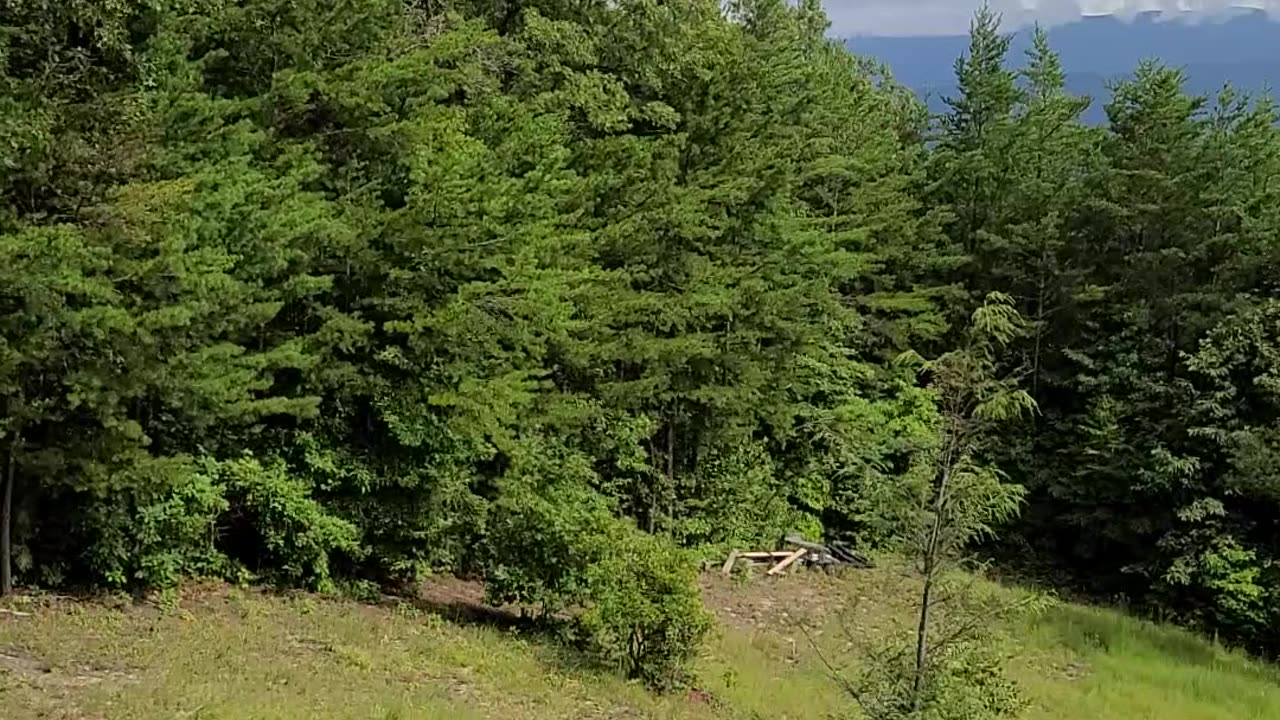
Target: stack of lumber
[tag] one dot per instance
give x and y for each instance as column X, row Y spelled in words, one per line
column 802, row 552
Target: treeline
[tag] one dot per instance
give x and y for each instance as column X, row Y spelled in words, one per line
column 342, row 293
column 1144, row 255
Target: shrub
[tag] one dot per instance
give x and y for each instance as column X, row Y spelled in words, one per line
column 971, row 684
column 554, row 542
column 542, row 530
column 966, row 682
column 539, row 548
column 156, row 526
column 278, row 528
column 737, row 499
column 643, row 612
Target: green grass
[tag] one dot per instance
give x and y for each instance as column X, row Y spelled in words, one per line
column 243, row 654
column 1137, row 670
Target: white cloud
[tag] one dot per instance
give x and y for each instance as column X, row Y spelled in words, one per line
column 941, row 17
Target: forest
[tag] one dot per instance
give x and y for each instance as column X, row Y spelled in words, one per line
column 569, row 295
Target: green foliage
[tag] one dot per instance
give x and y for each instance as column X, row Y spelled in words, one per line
column 972, row 683
column 480, row 285
column 473, row 284
column 969, row 682
column 290, row 535
column 739, row 501
column 968, row 674
column 544, row 533
column 959, row 498
column 644, row 612
column 1139, row 254
column 952, row 498
column 157, row 526
column 552, row 542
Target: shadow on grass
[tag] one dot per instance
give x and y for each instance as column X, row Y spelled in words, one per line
column 550, row 637
column 466, row 612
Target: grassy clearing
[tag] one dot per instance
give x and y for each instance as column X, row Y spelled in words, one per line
column 233, row 653
column 1137, row 670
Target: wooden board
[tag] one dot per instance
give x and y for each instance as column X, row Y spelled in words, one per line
column 787, row 561
column 728, row 564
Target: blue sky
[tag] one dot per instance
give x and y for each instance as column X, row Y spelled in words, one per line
column 945, row 17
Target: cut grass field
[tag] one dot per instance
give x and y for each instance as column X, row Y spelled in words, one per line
column 231, row 653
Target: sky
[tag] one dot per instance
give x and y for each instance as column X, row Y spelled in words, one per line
column 951, row 17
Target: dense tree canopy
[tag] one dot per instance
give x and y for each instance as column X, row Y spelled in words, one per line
column 316, row 293
column 1143, row 254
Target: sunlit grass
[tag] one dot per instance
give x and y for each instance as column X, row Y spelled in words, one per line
column 237, row 654
column 1131, row 669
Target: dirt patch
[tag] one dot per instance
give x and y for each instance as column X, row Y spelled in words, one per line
column 808, row 599
column 22, row 664
column 462, row 600
column 33, row 670
column 446, row 590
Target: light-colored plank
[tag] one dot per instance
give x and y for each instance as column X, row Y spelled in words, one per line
column 786, row 562
column 728, row 564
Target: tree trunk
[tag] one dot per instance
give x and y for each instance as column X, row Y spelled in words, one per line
column 671, row 453
column 922, row 640
column 930, row 566
column 1035, row 363
column 652, row 518
column 671, row 469
column 6, row 523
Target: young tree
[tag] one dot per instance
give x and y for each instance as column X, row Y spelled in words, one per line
column 958, row 499
column 966, row 499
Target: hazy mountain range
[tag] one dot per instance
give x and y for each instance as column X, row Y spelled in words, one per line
column 1243, row 50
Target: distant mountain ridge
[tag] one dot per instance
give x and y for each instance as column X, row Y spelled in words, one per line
column 1243, row 50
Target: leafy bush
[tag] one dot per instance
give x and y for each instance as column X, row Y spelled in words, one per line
column 541, row 544
column 966, row 682
column 644, row 614
column 293, row 536
column 971, row 684
column 542, row 528
column 554, row 542
column 736, row 499
column 1209, row 577
column 157, row 526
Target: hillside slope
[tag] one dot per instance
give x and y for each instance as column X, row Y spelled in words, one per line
column 231, row 653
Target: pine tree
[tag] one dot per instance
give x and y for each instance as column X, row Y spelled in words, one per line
column 971, row 169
